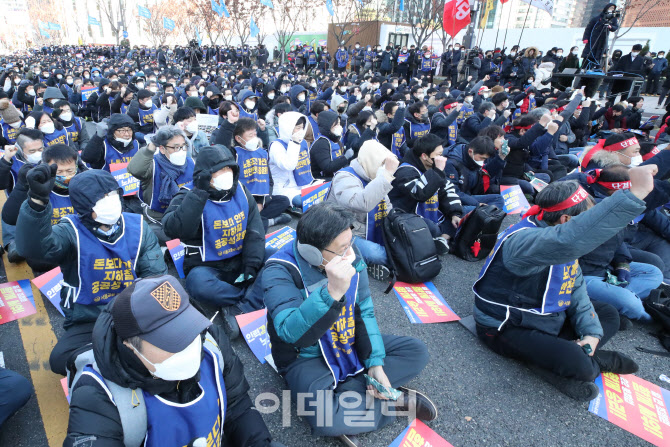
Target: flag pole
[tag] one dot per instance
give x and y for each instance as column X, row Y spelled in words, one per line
column 524, row 25
column 498, row 32
column 509, row 16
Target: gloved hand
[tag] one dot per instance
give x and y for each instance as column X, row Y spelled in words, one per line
column 622, row 272
column 41, row 181
column 101, row 129
column 202, row 181
column 23, row 175
column 248, row 275
column 349, row 154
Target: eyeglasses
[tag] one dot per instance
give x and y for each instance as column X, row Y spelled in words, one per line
column 124, row 130
column 177, row 148
column 344, row 252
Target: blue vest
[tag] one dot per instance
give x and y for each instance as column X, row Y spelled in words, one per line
column 418, row 130
column 335, row 149
column 397, row 141
column 185, row 180
column 57, row 137
column 113, row 156
column 337, row 344
column 303, row 170
column 315, row 127
column 47, row 109
column 254, row 172
column 14, row 169
column 9, row 133
column 430, row 208
column 174, row 424
column 74, row 129
column 402, row 58
column 244, row 114
column 375, row 217
column 559, row 282
column 124, row 107
column 342, row 57
column 224, row 225
column 146, row 116
column 105, row 269
column 61, row 207
column 311, row 59
column 211, row 111
column 466, row 112
column 426, row 64
column 452, row 130
column 368, row 56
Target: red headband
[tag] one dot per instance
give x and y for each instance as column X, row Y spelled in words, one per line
column 523, row 127
column 594, row 177
column 621, row 145
column 560, row 109
column 655, row 151
column 578, row 197
column 450, row 106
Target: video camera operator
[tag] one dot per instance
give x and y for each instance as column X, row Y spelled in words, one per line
column 470, row 65
column 193, row 57
column 596, row 35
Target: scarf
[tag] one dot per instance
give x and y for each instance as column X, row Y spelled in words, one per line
column 168, row 176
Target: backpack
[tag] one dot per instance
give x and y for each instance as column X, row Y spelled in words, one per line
column 410, row 247
column 658, row 306
column 477, row 233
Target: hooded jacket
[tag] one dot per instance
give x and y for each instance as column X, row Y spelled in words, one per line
column 94, row 152
column 265, row 103
column 58, row 244
column 320, row 154
column 183, row 218
column 94, row 416
column 298, row 106
column 283, row 161
column 472, row 178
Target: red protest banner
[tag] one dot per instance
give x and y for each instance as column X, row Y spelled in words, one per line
column 423, row 303
column 16, row 301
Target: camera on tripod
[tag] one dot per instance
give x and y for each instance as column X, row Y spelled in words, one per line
column 610, row 17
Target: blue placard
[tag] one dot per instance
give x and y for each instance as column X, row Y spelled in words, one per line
column 311, row 195
column 177, row 252
column 280, row 238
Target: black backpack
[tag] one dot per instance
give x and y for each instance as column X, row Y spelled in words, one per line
column 410, row 248
column 657, row 305
column 477, row 233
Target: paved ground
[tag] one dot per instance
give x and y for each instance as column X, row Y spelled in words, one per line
column 505, row 404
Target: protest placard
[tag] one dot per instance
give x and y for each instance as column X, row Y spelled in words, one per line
column 207, row 123
column 177, row 252
column 253, row 327
column 313, row 194
column 127, row 182
column 423, row 303
column 515, row 201
column 16, row 300
column 418, row 434
column 49, row 284
column 277, row 239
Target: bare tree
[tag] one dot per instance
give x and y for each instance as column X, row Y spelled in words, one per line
column 42, row 12
column 154, row 26
column 117, row 17
column 425, row 18
column 352, row 17
column 289, row 17
column 214, row 26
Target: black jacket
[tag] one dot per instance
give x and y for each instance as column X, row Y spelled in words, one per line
column 94, row 416
column 94, row 152
column 323, row 166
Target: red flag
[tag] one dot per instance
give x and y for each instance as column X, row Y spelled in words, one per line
column 456, row 16
column 503, row 1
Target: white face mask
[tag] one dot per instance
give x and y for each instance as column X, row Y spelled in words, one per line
column 253, row 144
column 178, row 158
column 283, row 89
column 313, row 85
column 192, row 127
column 228, row 97
column 249, row 104
column 32, row 93
column 301, row 98
column 485, row 95
column 635, row 161
column 337, row 131
column 108, row 209
column 224, row 181
column 201, row 89
column 33, row 158
column 575, row 52
column 153, row 89
column 479, row 163
column 124, row 141
column 140, row 85
column 179, row 366
column 271, row 96
column 69, row 82
column 634, row 53
column 16, row 125
column 48, row 128
column 67, row 116
column 193, row 94
column 148, row 103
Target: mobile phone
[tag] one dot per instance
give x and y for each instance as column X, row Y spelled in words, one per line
column 390, row 393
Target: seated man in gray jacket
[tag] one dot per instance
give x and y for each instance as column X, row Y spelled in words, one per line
column 531, row 302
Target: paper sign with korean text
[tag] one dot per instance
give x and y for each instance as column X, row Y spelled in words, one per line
column 50, row 284
column 127, row 182
column 418, row 434
column 515, row 201
column 86, row 92
column 207, row 123
column 423, row 303
column 16, row 300
column 177, row 252
column 253, row 327
column 279, row 238
column 637, row 406
column 313, row 194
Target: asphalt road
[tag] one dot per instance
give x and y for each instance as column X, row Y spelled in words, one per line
column 483, row 399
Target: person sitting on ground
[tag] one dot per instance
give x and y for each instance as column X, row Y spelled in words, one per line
column 327, row 156
column 324, row 333
column 99, row 249
column 156, row 360
column 185, row 119
column 531, row 302
column 421, row 186
column 363, row 189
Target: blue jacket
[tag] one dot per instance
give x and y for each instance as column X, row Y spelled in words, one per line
column 660, row 64
column 470, row 179
column 297, row 322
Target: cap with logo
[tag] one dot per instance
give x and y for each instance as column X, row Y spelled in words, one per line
column 158, row 311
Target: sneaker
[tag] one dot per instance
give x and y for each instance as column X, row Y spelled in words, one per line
column 441, row 245
column 424, row 408
column 295, row 210
column 379, row 272
column 615, row 362
column 624, row 323
column 229, row 322
column 12, row 255
column 349, row 440
column 282, row 219
column 574, row 389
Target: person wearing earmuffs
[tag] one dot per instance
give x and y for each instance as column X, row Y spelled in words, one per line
column 325, row 335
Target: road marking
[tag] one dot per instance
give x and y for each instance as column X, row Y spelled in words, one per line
column 38, row 340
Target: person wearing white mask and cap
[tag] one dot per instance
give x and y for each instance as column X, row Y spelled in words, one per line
column 75, row 128
column 219, row 223
column 160, row 373
column 100, row 249
column 163, row 167
column 185, row 119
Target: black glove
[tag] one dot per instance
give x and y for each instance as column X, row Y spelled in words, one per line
column 202, row 181
column 23, row 175
column 41, row 181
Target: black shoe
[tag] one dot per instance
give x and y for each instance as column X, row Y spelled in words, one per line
column 574, row 389
column 379, row 272
column 229, row 322
column 615, row 362
column 424, row 408
column 12, row 255
column 281, row 219
column 441, row 245
column 664, row 288
column 624, row 323
column 349, row 440
column 295, row 210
